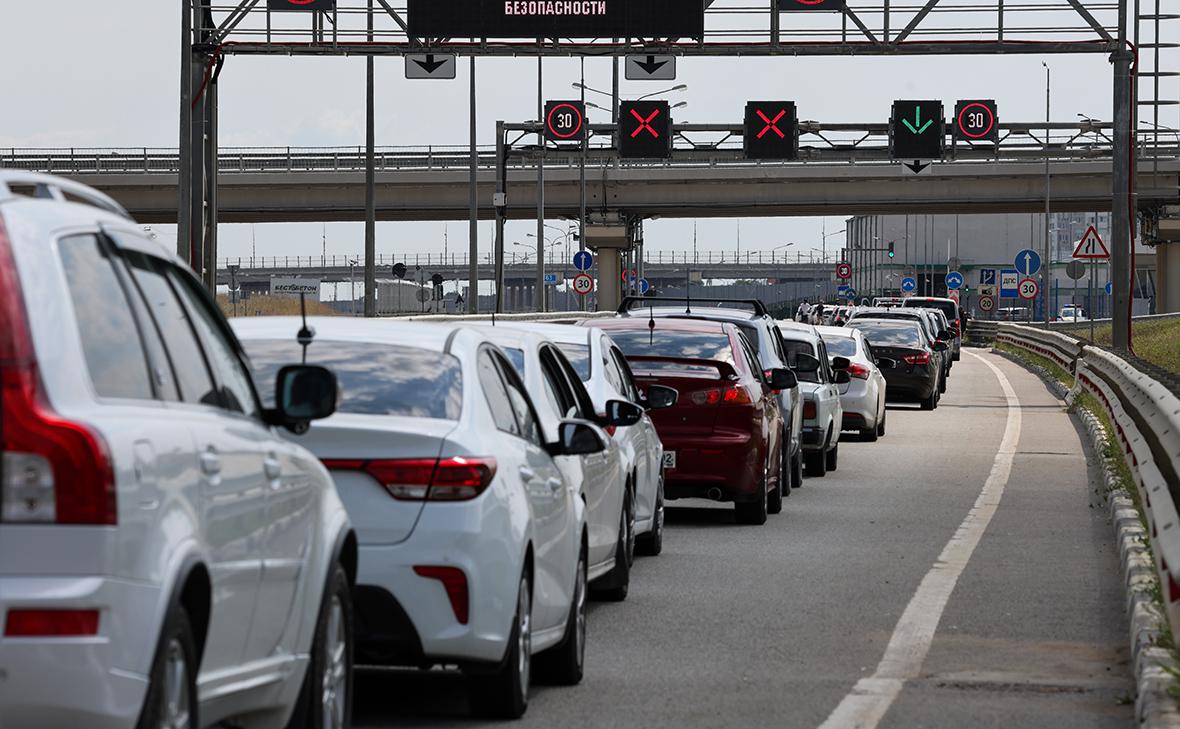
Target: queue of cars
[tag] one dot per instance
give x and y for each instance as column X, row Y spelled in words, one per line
column 203, row 524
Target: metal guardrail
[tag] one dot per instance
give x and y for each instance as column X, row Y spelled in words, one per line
column 1146, row 416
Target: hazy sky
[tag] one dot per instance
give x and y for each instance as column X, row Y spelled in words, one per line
column 79, row 73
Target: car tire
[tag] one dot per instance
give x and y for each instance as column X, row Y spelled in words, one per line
column 505, row 693
column 881, row 424
column 774, row 499
column 616, row 583
column 797, row 470
column 942, row 384
column 329, row 670
column 563, row 664
column 817, row 464
column 833, row 457
column 652, row 543
column 172, row 685
column 754, row 512
column 869, row 435
column 931, row 402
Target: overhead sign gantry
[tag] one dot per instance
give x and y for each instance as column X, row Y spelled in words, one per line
column 556, row 19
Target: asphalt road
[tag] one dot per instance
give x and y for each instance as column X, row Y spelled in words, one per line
column 773, row 626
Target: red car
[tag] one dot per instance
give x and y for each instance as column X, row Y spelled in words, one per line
column 723, row 437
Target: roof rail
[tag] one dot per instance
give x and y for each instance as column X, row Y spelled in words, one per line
column 51, row 187
column 638, row 302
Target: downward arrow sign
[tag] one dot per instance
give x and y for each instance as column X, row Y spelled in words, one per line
column 917, row 127
column 430, row 65
column 918, row 165
column 651, row 65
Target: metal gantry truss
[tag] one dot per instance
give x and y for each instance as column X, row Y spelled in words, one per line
column 212, row 31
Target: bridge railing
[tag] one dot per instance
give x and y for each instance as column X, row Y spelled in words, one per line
column 1143, row 403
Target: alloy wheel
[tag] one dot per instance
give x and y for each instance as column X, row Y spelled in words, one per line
column 334, row 688
column 174, row 698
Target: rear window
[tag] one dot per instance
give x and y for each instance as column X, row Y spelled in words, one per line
column 579, row 357
column 840, row 346
column 678, row 344
column 375, row 379
column 946, row 307
column 516, row 357
column 888, row 334
column 794, row 347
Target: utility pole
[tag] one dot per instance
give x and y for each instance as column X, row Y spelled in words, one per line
column 473, row 202
column 1121, row 210
column 540, row 284
column 1045, row 262
column 370, row 187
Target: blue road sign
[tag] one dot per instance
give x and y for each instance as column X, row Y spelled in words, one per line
column 551, row 279
column 954, row 280
column 1009, row 283
column 583, row 260
column 1109, row 288
column 1028, row 262
column 987, row 277
column 850, row 293
column 909, row 284
column 644, row 287
column 842, row 290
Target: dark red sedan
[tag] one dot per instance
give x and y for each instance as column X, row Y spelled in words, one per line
column 723, row 437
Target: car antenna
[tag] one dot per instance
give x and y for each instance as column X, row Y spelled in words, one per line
column 651, row 325
column 306, row 334
column 688, row 290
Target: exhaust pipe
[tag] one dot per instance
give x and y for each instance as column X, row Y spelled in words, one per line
column 714, row 494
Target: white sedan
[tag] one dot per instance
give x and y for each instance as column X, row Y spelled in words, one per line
column 473, row 546
column 863, row 396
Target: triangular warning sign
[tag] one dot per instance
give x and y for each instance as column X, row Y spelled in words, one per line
column 1091, row 246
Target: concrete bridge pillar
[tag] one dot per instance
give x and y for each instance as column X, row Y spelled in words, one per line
column 1167, row 278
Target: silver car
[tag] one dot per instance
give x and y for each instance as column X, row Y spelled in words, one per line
column 863, row 396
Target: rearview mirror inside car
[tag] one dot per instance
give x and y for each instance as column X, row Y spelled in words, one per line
column 782, row 379
column 841, row 363
column 805, row 363
column 842, row 377
column 304, row 393
column 886, row 363
column 578, row 438
column 621, row 413
column 660, row 397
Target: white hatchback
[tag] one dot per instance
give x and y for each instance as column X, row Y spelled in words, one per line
column 862, row 398
column 473, row 545
column 819, row 381
column 167, row 559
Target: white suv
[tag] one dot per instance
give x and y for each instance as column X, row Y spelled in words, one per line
column 166, row 558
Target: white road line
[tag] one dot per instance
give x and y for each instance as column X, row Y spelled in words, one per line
column 871, row 697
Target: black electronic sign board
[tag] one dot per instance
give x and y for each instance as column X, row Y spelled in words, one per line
column 555, row 18
column 976, row 120
column 645, row 130
column 771, row 130
column 916, row 130
column 794, row 6
column 306, row 6
column 565, row 121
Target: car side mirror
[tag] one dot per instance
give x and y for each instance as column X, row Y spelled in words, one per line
column 782, row 378
column 939, row 347
column 945, row 336
column 661, row 396
column 886, row 363
column 842, row 377
column 621, row 413
column 578, row 438
column 841, row 363
column 303, row 393
column 805, row 363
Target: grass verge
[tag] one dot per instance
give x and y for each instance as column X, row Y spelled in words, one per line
column 1156, row 341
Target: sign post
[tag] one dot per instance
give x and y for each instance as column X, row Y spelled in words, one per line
column 1091, row 248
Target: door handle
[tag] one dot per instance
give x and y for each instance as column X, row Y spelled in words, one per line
column 273, row 470
column 210, row 463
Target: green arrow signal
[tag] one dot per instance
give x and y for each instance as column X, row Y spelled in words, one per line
column 917, row 127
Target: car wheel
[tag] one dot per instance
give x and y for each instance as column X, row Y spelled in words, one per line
column 817, row 464
column 833, row 457
column 754, row 512
column 171, row 701
column 881, row 424
column 617, row 582
column 505, row 694
column 563, row 664
column 774, row 499
column 325, row 700
column 931, row 402
column 652, row 543
column 869, row 435
column 797, row 470
column 942, row 384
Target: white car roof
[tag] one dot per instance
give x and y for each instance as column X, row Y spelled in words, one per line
column 561, row 333
column 797, row 331
column 423, row 335
column 826, row 331
column 713, row 313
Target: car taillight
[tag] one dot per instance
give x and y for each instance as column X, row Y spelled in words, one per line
column 50, row 623
column 610, row 429
column 454, row 582
column 459, row 478
column 810, row 411
column 858, row 371
column 731, row 395
column 51, row 470
column 922, row 358
column 958, row 328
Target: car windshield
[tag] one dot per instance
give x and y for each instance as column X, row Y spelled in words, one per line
column 889, row 334
column 795, row 347
column 374, row 379
column 946, row 307
column 676, row 344
column 840, row 346
column 579, row 357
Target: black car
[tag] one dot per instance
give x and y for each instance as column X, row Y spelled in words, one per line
column 931, row 323
column 918, row 372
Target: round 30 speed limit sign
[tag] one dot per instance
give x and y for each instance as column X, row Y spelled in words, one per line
column 1028, row 288
column 583, row 284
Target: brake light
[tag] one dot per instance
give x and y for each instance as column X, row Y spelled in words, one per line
column 50, row 623
column 455, row 583
column 922, row 358
column 51, row 470
column 858, row 371
column 810, row 411
column 459, row 478
column 731, row 395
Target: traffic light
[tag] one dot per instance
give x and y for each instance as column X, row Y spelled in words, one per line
column 891, row 253
column 771, row 130
column 645, row 130
column 916, row 130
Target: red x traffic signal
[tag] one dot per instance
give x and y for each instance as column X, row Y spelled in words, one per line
column 645, row 130
column 771, row 130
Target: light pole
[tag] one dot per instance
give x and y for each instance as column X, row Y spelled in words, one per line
column 1046, row 263
column 352, row 283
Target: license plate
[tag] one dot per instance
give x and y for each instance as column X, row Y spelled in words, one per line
column 669, row 459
